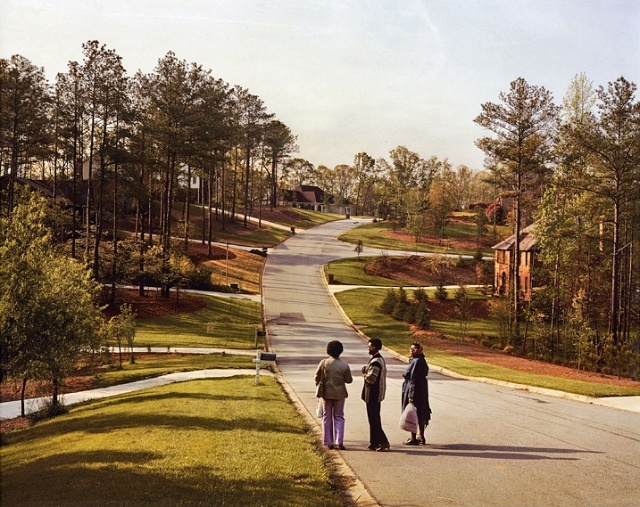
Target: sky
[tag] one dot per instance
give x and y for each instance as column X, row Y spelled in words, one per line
column 348, row 76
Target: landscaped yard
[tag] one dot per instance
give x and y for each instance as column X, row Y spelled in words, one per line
column 209, row 442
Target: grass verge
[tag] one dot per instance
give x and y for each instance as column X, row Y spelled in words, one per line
column 373, row 236
column 351, row 272
column 163, row 364
column 231, row 323
column 361, row 305
column 210, row 442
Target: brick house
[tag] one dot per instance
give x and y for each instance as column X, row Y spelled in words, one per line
column 313, row 198
column 503, row 260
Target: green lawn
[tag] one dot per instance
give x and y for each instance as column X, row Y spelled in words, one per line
column 361, row 305
column 373, row 237
column 209, row 442
column 351, row 272
column 233, row 323
column 162, row 364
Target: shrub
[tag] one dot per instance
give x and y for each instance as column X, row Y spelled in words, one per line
column 441, row 293
column 389, row 302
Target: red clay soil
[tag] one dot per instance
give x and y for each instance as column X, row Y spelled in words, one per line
column 417, row 269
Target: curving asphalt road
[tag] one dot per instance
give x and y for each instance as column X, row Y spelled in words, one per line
column 486, row 445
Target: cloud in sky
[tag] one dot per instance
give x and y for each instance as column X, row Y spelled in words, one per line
column 351, row 75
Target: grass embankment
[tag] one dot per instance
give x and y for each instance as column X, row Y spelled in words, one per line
column 210, row 442
column 243, row 268
column 222, row 323
column 361, row 305
column 163, row 364
column 377, row 236
column 351, row 272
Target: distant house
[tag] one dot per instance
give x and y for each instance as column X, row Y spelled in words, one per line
column 313, row 198
column 503, row 259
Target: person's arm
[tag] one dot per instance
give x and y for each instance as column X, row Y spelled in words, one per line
column 372, row 373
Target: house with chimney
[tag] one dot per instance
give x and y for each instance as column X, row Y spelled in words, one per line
column 504, row 263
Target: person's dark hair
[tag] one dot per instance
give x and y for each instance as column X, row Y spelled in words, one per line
column 376, row 342
column 334, row 349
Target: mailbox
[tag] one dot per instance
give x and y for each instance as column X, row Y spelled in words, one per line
column 263, row 358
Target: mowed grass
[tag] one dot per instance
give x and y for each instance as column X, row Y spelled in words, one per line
column 374, row 238
column 232, row 323
column 163, row 364
column 351, row 272
column 361, row 305
column 243, row 269
column 209, row 442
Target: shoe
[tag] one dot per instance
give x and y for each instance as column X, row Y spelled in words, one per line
column 341, row 447
column 383, row 447
column 372, row 447
column 330, row 447
column 411, row 442
column 422, row 441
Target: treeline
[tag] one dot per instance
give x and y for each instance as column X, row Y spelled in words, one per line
column 117, row 145
column 574, row 171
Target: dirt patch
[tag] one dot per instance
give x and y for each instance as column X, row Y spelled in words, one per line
column 151, row 304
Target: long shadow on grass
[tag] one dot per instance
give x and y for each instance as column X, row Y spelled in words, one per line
column 108, row 478
column 157, row 417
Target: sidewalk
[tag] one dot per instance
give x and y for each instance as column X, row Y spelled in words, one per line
column 11, row 409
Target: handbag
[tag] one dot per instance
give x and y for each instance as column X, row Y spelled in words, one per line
column 320, row 386
column 409, row 418
column 319, row 408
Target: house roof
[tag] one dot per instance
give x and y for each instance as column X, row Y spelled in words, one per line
column 527, row 243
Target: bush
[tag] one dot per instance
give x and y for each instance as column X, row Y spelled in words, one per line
column 423, row 316
column 441, row 293
column 389, row 302
column 420, row 295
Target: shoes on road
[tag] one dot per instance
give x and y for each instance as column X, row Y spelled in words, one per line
column 411, row 442
column 383, row 447
column 341, row 447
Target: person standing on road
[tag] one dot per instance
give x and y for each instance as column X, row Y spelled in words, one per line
column 334, row 373
column 373, row 391
column 415, row 389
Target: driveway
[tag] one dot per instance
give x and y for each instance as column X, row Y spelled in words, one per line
column 486, row 445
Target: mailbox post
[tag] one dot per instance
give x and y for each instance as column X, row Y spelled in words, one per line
column 263, row 359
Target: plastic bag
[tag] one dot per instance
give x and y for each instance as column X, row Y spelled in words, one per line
column 319, row 408
column 409, row 419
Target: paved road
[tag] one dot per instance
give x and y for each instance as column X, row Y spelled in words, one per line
column 487, row 445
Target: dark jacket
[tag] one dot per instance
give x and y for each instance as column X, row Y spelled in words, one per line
column 415, row 386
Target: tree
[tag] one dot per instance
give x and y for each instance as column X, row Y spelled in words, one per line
column 252, row 119
column 47, row 312
column 280, row 143
column 25, row 97
column 121, row 328
column 609, row 147
column 520, row 154
column 364, row 169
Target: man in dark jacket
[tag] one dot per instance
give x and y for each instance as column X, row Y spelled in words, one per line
column 373, row 391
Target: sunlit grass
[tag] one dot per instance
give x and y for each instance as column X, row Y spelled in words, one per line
column 373, row 237
column 351, row 272
column 209, row 442
column 361, row 305
column 232, row 323
column 243, row 269
column 162, row 364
